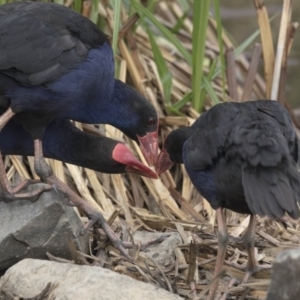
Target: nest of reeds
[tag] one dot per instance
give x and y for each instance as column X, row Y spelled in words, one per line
column 158, row 53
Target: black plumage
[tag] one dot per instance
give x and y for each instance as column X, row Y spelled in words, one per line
column 243, row 157
column 56, row 64
column 50, row 35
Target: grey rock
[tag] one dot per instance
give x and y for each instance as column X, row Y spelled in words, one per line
column 285, row 284
column 162, row 253
column 29, row 277
column 30, row 229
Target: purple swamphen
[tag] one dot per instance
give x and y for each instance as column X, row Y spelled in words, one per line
column 98, row 153
column 57, row 64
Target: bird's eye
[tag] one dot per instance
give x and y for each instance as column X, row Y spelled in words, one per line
column 151, row 121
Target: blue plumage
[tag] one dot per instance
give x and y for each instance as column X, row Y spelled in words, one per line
column 55, row 63
column 76, row 147
column 81, row 93
column 68, row 73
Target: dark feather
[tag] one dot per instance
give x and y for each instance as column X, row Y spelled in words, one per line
column 250, row 150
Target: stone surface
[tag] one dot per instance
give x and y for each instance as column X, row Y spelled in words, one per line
column 29, row 277
column 30, row 229
column 162, row 253
column 285, row 284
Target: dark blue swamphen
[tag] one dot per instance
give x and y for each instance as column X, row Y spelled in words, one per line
column 240, row 156
column 98, row 153
column 57, row 64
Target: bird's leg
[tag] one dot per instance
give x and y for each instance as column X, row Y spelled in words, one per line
column 42, row 169
column 249, row 238
column 222, row 245
column 252, row 265
column 24, row 184
column 8, row 193
column 96, row 218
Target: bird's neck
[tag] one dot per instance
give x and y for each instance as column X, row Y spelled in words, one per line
column 64, row 142
column 101, row 98
column 114, row 109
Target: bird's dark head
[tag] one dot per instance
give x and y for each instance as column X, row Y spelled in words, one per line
column 122, row 155
column 172, row 150
column 141, row 123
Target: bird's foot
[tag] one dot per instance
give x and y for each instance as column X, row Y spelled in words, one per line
column 97, row 219
column 64, row 196
column 255, row 269
column 249, row 270
column 26, row 190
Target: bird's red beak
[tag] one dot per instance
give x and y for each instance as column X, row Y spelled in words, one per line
column 124, row 156
column 163, row 162
column 149, row 146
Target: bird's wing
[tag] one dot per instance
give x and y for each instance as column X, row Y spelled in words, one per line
column 40, row 41
column 260, row 140
column 272, row 191
column 277, row 112
column 270, row 179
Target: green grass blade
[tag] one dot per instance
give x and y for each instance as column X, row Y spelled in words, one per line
column 178, row 105
column 78, row 5
column 211, row 92
column 150, row 8
column 61, row 2
column 143, row 12
column 220, row 42
column 179, row 23
column 241, row 48
column 200, row 18
column 162, row 68
column 94, row 11
column 238, row 51
column 171, row 109
column 117, row 14
column 209, row 78
column 184, row 4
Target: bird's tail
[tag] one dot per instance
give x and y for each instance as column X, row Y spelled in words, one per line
column 272, row 191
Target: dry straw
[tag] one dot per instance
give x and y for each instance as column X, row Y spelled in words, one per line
column 156, row 205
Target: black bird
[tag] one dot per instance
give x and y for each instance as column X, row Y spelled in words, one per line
column 240, row 156
column 98, row 153
column 55, row 63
